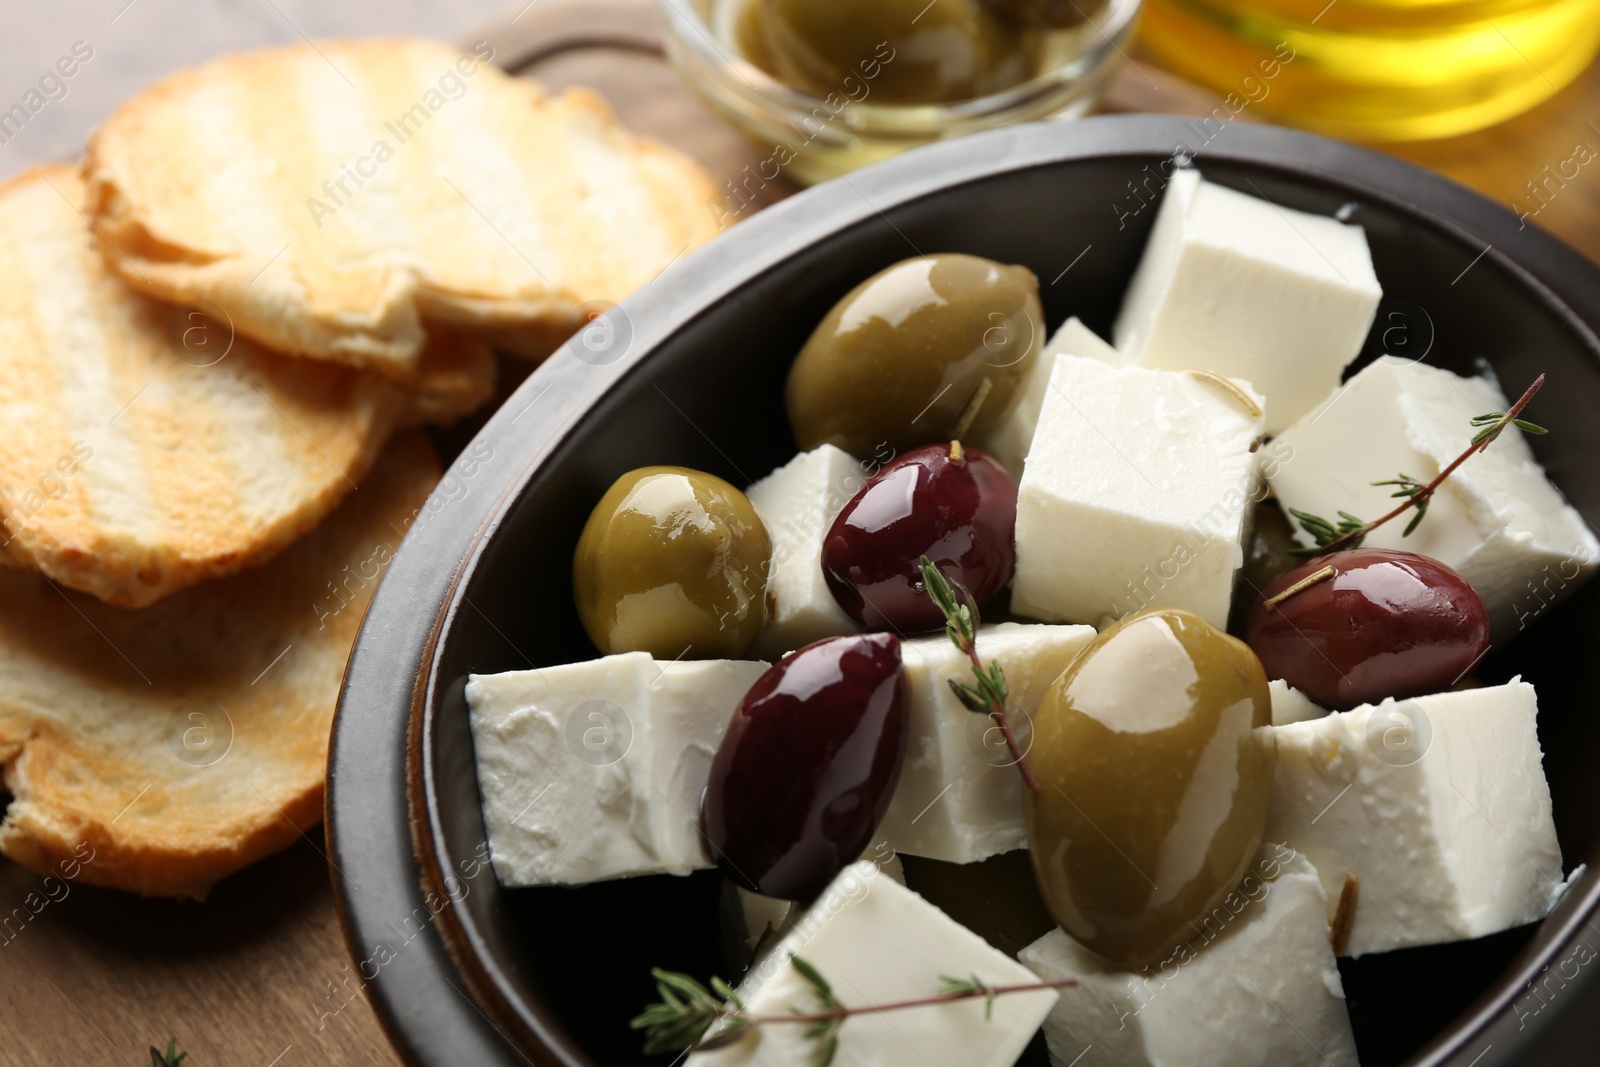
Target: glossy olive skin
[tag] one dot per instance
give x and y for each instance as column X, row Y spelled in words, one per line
column 1049, row 14
column 887, row 51
column 950, row 503
column 808, row 766
column 1155, row 774
column 899, row 359
column 672, row 559
column 1387, row 624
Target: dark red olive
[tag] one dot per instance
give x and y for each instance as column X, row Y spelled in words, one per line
column 1384, row 624
column 808, row 766
column 952, row 504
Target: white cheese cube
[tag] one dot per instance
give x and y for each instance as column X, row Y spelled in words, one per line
column 959, row 798
column 798, row 503
column 1136, row 494
column 764, row 920
column 1497, row 520
column 877, row 942
column 1009, row 442
column 1245, row 288
column 594, row 770
column 1291, row 705
column 1438, row 806
column 1258, row 988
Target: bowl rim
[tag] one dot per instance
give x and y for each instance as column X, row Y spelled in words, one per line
column 381, row 816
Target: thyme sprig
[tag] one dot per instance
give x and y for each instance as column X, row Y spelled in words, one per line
column 990, row 693
column 170, row 1058
column 688, row 1010
column 1409, row 487
column 1351, row 531
column 1496, row 421
column 1325, row 532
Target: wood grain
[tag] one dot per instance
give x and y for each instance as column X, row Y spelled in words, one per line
column 257, row 976
column 254, row 976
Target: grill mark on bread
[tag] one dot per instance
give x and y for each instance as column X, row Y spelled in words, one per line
column 93, row 699
column 551, row 182
column 71, row 375
column 196, row 471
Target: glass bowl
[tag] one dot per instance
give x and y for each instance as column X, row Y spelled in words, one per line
column 812, row 138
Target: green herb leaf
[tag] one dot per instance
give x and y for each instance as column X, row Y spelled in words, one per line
column 1324, row 532
column 961, row 626
column 1417, row 517
column 686, row 1011
column 996, row 683
column 1410, row 487
column 967, row 987
column 170, row 1058
column 1495, row 422
column 726, row 992
column 970, row 698
column 731, row 1032
column 819, row 985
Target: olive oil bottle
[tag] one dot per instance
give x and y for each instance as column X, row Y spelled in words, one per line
column 1377, row 69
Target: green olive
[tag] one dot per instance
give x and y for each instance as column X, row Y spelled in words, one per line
column 887, row 51
column 672, row 559
column 902, row 358
column 1154, row 773
column 1049, row 14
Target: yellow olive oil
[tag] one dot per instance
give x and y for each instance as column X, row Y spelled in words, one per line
column 1377, row 69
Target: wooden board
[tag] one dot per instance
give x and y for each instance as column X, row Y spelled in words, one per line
column 257, row 976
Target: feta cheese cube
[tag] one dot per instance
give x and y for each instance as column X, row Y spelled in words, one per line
column 1135, row 495
column 594, row 770
column 1497, row 520
column 1009, row 442
column 878, row 942
column 762, row 921
column 798, row 503
column 1258, row 988
column 1240, row 286
column 1291, row 705
column 1438, row 806
column 959, row 798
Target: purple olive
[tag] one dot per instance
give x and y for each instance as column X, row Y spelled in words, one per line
column 952, row 504
column 808, row 766
column 1384, row 624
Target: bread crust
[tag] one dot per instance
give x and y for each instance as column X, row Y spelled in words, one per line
column 147, row 449
column 161, row 749
column 455, row 376
column 342, row 199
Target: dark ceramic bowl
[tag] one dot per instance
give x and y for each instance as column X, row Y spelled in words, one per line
column 464, row 972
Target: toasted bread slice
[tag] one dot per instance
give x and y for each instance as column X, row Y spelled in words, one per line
column 158, row 750
column 455, row 376
column 141, row 452
column 339, row 198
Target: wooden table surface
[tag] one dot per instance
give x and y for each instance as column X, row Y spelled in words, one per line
column 257, row 976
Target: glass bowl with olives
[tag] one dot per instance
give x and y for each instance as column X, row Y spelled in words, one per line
column 523, row 564
column 827, row 86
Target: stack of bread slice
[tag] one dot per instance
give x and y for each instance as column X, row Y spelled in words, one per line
column 218, row 336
